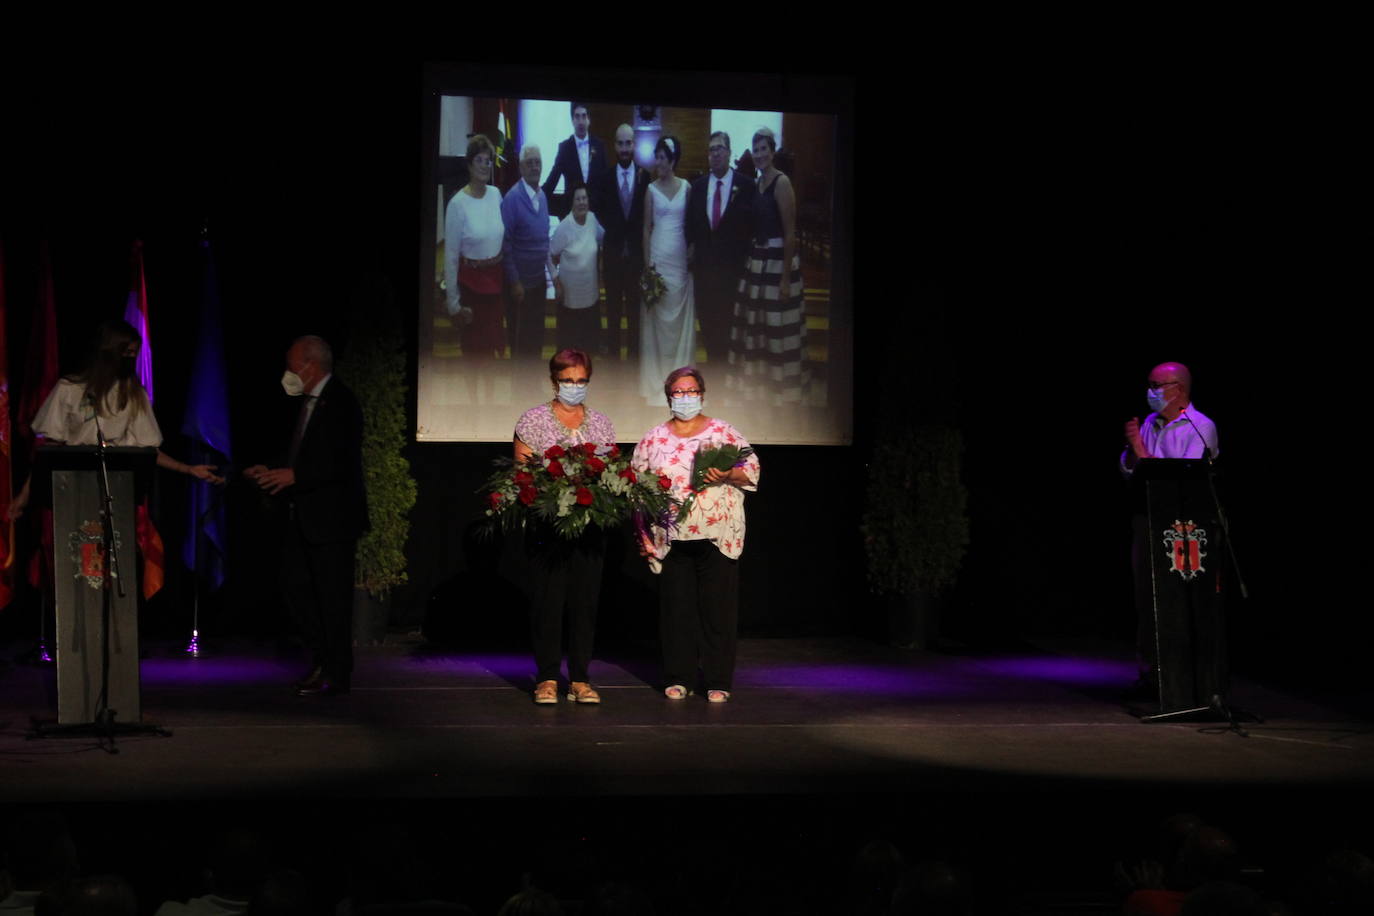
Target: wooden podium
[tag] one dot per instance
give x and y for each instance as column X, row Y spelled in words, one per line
column 1184, row 543
column 97, row 644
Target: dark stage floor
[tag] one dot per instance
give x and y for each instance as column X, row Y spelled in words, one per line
column 808, row 717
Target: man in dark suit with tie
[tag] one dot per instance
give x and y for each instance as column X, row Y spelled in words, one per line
column 719, row 229
column 322, row 477
column 580, row 158
column 618, row 201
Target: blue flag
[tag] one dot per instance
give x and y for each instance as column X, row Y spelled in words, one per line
column 207, row 425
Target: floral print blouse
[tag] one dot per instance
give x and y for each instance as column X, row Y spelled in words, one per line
column 717, row 514
column 540, row 429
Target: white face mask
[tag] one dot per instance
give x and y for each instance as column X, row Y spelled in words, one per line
column 686, row 408
column 572, row 395
column 291, row 383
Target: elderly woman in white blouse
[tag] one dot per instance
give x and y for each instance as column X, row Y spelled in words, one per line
column 698, row 562
column 574, row 248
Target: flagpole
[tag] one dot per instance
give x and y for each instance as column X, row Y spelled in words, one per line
column 41, row 655
column 193, row 647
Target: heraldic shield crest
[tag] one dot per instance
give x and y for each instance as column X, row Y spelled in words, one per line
column 87, row 551
column 1184, row 543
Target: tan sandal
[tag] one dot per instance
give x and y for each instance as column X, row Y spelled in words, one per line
column 582, row 692
column 546, row 693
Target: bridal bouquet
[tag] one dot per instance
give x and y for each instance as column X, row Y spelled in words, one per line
column 722, row 459
column 651, row 286
column 573, row 487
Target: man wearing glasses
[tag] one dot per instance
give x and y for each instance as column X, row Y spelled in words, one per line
column 719, row 229
column 1173, row 429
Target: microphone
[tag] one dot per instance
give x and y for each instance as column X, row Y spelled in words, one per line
column 1206, row 449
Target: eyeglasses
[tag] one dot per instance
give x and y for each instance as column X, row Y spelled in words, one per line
column 1153, row 384
column 685, row 393
column 573, row 382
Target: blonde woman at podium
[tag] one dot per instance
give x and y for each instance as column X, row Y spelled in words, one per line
column 105, row 396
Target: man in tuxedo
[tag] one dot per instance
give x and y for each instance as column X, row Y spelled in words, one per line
column 322, row 478
column 719, row 229
column 580, row 158
column 618, row 201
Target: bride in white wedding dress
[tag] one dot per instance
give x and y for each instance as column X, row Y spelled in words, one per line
column 668, row 328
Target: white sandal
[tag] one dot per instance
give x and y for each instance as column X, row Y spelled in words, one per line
column 717, row 696
column 675, row 692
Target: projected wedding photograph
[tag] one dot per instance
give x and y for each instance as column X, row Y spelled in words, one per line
column 647, row 236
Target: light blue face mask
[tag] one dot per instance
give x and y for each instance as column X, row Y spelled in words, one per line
column 1156, row 399
column 572, row 395
column 686, row 407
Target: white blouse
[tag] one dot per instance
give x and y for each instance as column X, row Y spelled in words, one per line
column 66, row 416
column 473, row 229
column 576, row 248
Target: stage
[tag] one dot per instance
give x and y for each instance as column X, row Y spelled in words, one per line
column 810, row 717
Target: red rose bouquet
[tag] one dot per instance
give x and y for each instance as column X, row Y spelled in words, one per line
column 572, row 487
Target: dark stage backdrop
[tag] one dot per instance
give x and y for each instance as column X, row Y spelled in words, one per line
column 1055, row 237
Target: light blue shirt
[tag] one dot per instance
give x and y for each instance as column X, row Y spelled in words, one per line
column 1184, row 437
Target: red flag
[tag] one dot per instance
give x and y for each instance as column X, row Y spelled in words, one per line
column 150, row 542
column 40, row 377
column 40, row 360
column 136, row 313
column 6, row 465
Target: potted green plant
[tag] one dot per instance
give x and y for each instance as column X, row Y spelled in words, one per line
column 915, row 525
column 374, row 366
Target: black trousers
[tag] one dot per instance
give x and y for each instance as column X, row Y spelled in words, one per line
column 621, row 276
column 565, row 576
column 527, row 342
column 698, row 601
column 579, row 328
column 716, row 289
column 318, row 581
column 1142, row 589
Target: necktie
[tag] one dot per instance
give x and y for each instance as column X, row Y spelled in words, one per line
column 715, row 207
column 625, row 192
column 298, row 433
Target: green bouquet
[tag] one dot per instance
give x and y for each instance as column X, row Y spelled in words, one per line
column 722, row 459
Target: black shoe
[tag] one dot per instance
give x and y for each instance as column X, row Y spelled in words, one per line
column 322, row 689
column 313, row 679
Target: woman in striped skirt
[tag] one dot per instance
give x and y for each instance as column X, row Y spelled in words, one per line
column 768, row 340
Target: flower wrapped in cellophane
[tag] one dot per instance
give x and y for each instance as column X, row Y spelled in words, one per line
column 573, row 487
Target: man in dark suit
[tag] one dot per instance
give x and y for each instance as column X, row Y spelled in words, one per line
column 580, row 158
column 618, row 202
column 719, row 229
column 322, row 477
